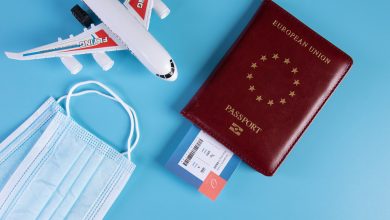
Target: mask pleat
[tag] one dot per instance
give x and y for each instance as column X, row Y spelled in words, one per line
column 27, row 127
column 28, row 169
column 115, row 179
column 15, row 149
column 48, row 178
column 94, row 187
column 78, row 186
column 9, row 165
column 66, row 184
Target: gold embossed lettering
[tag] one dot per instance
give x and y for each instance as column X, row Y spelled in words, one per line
column 243, row 119
column 299, row 40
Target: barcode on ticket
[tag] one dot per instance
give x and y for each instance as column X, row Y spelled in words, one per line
column 193, row 151
column 204, row 162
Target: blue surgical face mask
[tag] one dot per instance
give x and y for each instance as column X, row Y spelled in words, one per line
column 14, row 148
column 63, row 171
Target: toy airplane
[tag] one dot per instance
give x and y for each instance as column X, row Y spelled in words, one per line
column 124, row 27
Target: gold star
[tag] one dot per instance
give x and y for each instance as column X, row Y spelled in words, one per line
column 295, row 70
column 287, row 61
column 283, row 101
column 270, row 102
column 292, row 93
column 252, row 88
column 254, row 65
column 263, row 58
column 249, row 76
column 296, row 82
column 275, row 56
column 259, row 98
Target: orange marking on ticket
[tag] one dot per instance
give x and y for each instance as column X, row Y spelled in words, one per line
column 212, row 186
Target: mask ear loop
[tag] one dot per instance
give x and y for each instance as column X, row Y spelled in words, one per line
column 113, row 96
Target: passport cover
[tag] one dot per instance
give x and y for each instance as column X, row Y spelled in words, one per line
column 268, row 88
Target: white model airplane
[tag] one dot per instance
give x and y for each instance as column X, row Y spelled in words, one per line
column 124, row 27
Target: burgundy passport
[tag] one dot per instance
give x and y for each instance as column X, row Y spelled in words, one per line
column 268, row 88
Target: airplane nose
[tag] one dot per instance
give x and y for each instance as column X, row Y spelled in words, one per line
column 172, row 75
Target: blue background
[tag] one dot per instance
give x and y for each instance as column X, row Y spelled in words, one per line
column 338, row 170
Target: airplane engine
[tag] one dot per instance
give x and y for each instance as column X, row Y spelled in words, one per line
column 72, row 64
column 104, row 61
column 161, row 9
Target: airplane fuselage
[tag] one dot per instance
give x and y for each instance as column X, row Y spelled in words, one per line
column 135, row 36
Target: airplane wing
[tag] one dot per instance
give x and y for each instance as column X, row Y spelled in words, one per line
column 142, row 10
column 95, row 40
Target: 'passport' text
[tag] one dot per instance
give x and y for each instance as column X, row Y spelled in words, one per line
column 243, row 119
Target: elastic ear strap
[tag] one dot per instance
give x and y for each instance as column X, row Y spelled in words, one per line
column 113, row 96
column 59, row 100
column 84, row 92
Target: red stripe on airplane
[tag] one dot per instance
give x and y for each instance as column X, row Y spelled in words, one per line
column 101, row 34
column 110, row 41
column 139, row 6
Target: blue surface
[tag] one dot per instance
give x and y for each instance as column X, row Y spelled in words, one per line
column 338, row 170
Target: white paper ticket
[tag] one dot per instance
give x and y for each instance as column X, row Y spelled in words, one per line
column 205, row 155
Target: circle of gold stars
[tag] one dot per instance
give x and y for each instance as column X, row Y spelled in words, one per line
column 275, row 57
